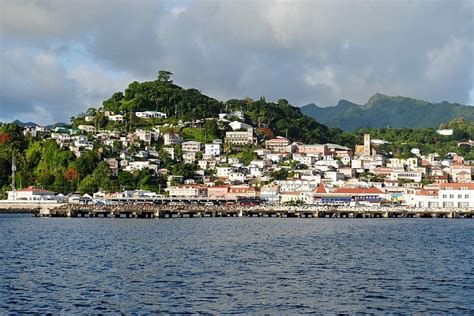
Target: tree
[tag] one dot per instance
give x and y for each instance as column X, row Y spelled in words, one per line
column 5, row 138
column 164, row 76
column 71, row 174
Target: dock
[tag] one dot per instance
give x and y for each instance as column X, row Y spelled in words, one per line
column 279, row 211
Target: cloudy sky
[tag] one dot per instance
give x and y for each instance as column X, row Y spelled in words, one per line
column 60, row 57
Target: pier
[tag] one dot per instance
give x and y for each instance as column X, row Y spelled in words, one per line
column 178, row 211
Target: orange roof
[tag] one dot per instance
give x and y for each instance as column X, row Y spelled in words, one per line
column 457, row 186
column 34, row 189
column 427, row 192
column 283, row 140
column 321, row 189
column 358, row 191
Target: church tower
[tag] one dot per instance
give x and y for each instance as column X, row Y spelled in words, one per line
column 367, row 145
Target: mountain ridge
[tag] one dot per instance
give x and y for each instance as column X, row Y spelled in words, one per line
column 388, row 111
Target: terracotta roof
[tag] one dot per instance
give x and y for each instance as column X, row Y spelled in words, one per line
column 284, row 140
column 321, row 189
column 427, row 192
column 358, row 191
column 34, row 190
column 457, row 186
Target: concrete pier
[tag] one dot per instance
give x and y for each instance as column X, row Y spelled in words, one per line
column 191, row 211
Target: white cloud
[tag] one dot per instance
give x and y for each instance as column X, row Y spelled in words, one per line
column 304, row 51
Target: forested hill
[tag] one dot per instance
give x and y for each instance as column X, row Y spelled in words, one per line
column 190, row 104
column 387, row 111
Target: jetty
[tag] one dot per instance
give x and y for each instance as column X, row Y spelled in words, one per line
column 280, row 211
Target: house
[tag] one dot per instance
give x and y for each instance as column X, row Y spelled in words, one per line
column 236, row 125
column 346, row 195
column 456, row 195
column 31, row 193
column 270, row 193
column 406, row 175
column 218, row 191
column 191, row 146
column 460, row 172
column 237, row 177
column 425, row 198
column 444, row 132
column 189, row 157
column 304, row 159
column 140, row 165
column 290, row 196
column 206, row 164
column 313, row 149
column 279, row 144
column 116, row 118
column 145, row 136
column 171, row 139
column 212, row 149
column 187, row 191
column 240, row 137
column 242, row 191
column 87, row 128
column 224, row 172
column 150, row 114
column 113, row 166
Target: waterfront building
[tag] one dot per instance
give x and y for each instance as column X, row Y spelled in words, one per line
column 456, row 195
column 31, row 193
column 187, row 191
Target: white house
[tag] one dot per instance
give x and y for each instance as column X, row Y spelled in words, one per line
column 87, row 128
column 236, row 125
column 116, row 118
column 212, row 149
column 456, row 195
column 150, row 114
column 191, row 146
column 444, row 132
column 31, row 194
column 140, row 165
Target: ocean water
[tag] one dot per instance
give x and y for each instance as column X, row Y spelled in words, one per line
column 235, row 265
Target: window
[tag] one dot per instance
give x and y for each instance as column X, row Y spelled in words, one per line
column 466, row 196
column 444, row 196
column 451, row 196
column 459, row 196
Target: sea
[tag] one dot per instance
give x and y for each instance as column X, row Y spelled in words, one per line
column 235, row 265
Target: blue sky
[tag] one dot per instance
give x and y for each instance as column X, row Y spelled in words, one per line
column 60, row 57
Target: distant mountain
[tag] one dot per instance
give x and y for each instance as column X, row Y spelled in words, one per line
column 33, row 124
column 24, row 124
column 383, row 111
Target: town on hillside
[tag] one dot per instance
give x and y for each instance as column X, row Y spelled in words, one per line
column 185, row 163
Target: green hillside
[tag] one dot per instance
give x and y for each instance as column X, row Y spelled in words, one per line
column 386, row 111
column 190, row 104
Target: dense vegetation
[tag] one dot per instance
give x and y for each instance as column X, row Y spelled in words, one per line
column 384, row 111
column 402, row 140
column 43, row 163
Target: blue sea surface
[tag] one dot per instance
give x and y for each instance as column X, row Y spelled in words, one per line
column 235, row 265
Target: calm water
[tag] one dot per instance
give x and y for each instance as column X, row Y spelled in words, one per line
column 235, row 265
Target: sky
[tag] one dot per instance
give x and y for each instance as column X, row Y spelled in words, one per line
column 58, row 58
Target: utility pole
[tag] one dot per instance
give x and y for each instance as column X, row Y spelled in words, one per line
column 13, row 177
